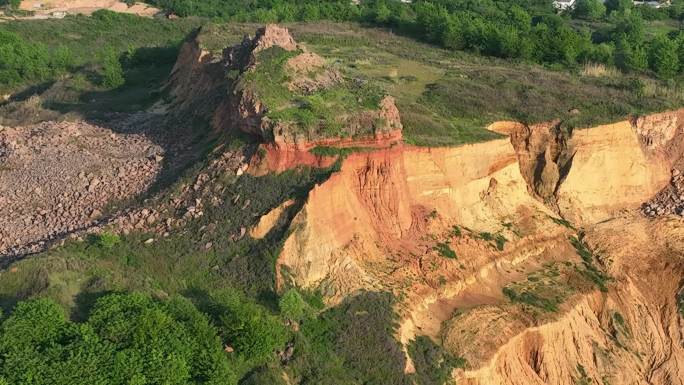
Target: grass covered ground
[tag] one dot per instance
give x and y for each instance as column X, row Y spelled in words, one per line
column 445, row 97
column 108, row 62
column 451, row 97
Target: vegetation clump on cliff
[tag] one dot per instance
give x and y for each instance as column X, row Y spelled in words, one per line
column 325, row 109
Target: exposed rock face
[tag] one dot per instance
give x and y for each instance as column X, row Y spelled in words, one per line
column 478, row 186
column 272, row 35
column 270, row 220
column 610, row 172
column 384, row 220
column 303, row 65
column 545, row 157
column 629, row 335
column 589, row 175
column 197, row 82
column 668, row 201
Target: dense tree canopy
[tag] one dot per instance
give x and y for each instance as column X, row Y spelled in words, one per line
column 133, row 339
column 519, row 29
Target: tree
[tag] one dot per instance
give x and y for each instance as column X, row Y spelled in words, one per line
column 663, row 56
column 680, row 51
column 619, row 5
column 13, row 4
column 251, row 330
column 112, row 71
column 382, row 13
column 589, row 9
column 629, row 57
column 629, row 24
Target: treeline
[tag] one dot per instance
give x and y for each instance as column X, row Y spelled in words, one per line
column 529, row 30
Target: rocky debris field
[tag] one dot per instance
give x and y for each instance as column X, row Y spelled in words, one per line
column 206, row 189
column 670, row 200
column 60, row 177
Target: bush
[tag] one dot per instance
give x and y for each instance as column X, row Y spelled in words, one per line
column 106, row 240
column 293, row 306
column 112, row 71
column 25, row 62
column 128, row 338
column 250, row 329
column 433, row 364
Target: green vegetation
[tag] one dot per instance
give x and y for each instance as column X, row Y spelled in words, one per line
column 22, row 62
column 445, row 250
column 524, row 30
column 562, row 222
column 105, row 240
column 337, row 151
column 352, row 343
column 433, row 364
column 498, row 241
column 229, row 288
column 448, row 98
column 544, row 289
column 107, row 62
column 550, row 286
column 325, row 111
column 294, row 307
column 583, row 378
column 125, row 338
column 590, row 270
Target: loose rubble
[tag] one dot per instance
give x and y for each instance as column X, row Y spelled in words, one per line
column 206, row 189
column 59, row 177
column 670, row 200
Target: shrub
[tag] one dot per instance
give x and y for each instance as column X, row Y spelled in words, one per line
column 358, row 334
column 106, row 240
column 433, row 364
column 112, row 71
column 293, row 306
column 445, row 251
column 128, row 338
column 21, row 61
column 250, row 329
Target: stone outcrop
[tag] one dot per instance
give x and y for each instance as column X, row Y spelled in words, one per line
column 216, row 86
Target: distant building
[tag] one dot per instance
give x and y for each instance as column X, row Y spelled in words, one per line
column 654, row 3
column 562, row 5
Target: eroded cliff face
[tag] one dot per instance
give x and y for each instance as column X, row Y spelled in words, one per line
column 629, row 335
column 450, row 228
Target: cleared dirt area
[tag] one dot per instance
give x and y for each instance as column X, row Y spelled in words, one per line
column 60, row 8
